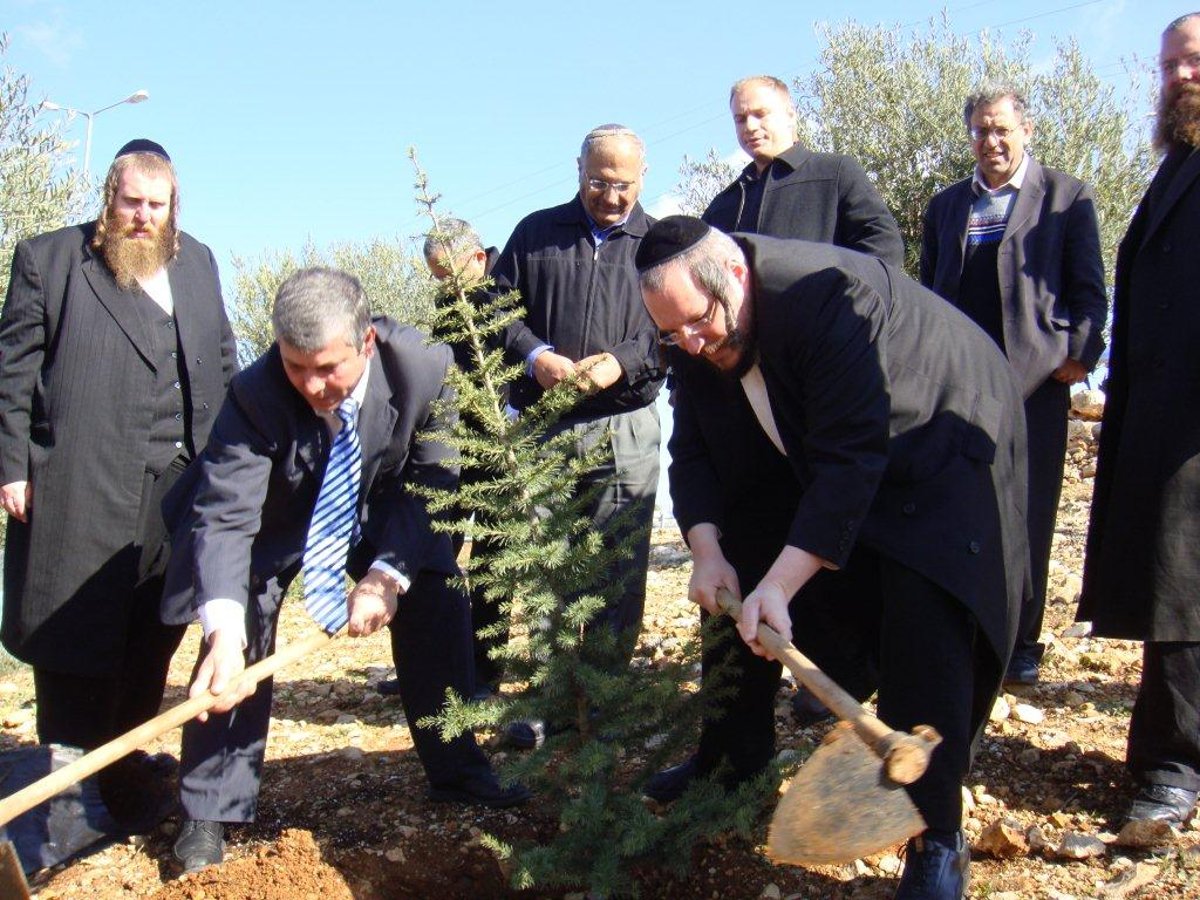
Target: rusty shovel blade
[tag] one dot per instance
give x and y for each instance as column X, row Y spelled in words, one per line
column 840, row 806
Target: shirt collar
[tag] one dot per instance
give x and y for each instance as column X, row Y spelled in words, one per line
column 1018, row 178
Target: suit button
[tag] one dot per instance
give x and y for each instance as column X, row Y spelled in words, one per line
column 179, row 445
column 178, row 415
column 909, row 508
column 973, row 547
column 198, row 360
column 204, row 406
column 1166, row 248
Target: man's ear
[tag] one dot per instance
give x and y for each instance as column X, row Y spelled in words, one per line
column 369, row 341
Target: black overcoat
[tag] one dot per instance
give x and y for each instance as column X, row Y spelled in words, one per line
column 76, row 372
column 902, row 422
column 1141, row 576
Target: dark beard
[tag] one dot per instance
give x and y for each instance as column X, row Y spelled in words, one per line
column 1178, row 119
column 130, row 259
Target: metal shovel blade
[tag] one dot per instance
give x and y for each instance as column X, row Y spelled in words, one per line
column 840, row 806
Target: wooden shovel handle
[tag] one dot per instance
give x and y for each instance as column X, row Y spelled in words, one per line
column 106, row 754
column 906, row 756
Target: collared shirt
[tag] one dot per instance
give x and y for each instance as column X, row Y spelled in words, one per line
column 1018, row 178
column 226, row 613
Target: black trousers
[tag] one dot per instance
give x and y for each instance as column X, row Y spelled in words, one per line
column 1046, row 441
column 88, row 711
column 874, row 625
column 1164, row 734
column 488, row 672
column 222, row 759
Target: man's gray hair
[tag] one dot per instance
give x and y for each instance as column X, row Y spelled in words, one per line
column 453, row 235
column 705, row 261
column 768, row 80
column 1176, row 24
column 607, row 132
column 314, row 307
column 993, row 92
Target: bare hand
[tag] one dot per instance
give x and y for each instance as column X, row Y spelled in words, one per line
column 373, row 602
column 17, row 499
column 710, row 569
column 1071, row 371
column 766, row 603
column 598, row 371
column 218, row 674
column 549, row 368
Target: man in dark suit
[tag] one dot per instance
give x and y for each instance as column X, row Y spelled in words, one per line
column 1141, row 576
column 244, row 519
column 114, row 355
column 787, row 191
column 1017, row 248
column 901, row 427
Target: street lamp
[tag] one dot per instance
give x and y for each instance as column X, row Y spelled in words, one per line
column 135, row 97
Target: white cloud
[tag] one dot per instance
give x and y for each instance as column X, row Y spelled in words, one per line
column 56, row 41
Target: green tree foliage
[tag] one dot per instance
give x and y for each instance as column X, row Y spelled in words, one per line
column 893, row 100
column 548, row 574
column 38, row 191
column 390, row 271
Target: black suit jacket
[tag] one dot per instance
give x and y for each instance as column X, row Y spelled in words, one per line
column 1141, row 577
column 1049, row 268
column 902, row 423
column 77, row 378
column 240, row 514
column 823, row 197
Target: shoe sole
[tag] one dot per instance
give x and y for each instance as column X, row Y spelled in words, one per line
column 454, row 795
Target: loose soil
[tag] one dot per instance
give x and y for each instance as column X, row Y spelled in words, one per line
column 343, row 812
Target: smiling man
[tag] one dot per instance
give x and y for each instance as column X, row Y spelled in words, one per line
column 573, row 266
column 309, row 469
column 1017, row 248
column 114, row 355
column 900, row 428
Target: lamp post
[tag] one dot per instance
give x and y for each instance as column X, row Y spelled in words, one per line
column 135, row 97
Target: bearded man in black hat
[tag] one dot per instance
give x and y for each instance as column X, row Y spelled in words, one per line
column 901, row 428
column 115, row 352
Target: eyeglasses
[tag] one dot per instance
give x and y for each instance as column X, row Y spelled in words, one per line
column 673, row 338
column 981, row 134
column 601, row 186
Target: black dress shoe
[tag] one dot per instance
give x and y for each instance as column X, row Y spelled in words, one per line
column 669, row 785
column 389, row 687
column 807, row 710
column 481, row 790
column 200, row 844
column 1022, row 670
column 935, row 867
column 1161, row 801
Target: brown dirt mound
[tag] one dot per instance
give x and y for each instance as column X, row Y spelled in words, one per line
column 289, row 869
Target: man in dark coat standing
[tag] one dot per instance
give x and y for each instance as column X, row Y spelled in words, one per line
column 1141, row 577
column 787, row 191
column 114, row 356
column 1017, row 248
column 902, row 428
column 247, row 519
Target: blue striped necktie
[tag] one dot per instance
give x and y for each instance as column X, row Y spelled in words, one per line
column 334, row 520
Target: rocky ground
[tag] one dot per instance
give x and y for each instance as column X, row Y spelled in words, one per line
column 343, row 812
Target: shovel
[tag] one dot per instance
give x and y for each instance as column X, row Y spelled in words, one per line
column 848, row 799
column 12, row 878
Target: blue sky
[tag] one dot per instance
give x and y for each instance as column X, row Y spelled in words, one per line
column 290, row 121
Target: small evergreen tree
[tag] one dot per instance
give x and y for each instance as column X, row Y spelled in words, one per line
column 547, row 571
